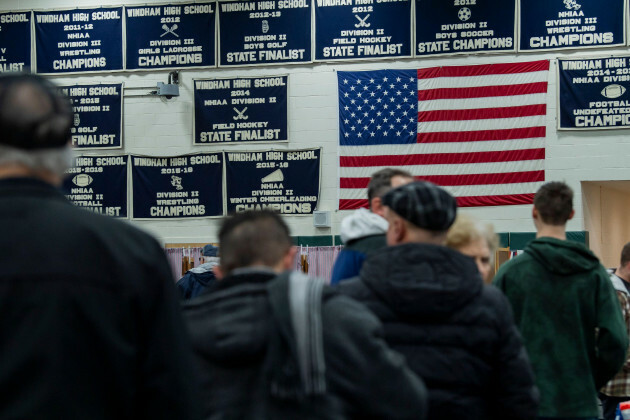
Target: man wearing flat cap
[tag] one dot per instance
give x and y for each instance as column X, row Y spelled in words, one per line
column 198, row 279
column 89, row 316
column 457, row 334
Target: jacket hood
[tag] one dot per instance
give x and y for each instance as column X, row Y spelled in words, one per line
column 422, row 280
column 360, row 224
column 203, row 268
column 562, row 257
column 230, row 325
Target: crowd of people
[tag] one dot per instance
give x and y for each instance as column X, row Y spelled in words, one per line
column 93, row 327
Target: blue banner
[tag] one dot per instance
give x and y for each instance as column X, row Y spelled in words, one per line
column 241, row 110
column 362, row 29
column 79, row 40
column 264, row 32
column 552, row 25
column 594, row 93
column 98, row 184
column 97, row 115
column 283, row 181
column 173, row 35
column 177, row 187
column 15, row 42
column 464, row 26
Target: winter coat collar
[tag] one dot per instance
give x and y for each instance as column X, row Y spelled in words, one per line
column 29, row 186
column 422, row 280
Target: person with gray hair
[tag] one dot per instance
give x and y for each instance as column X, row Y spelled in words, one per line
column 89, row 317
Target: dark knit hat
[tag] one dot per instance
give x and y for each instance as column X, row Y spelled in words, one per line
column 33, row 113
column 210, row 251
column 423, row 204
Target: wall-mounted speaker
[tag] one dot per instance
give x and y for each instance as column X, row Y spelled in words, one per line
column 321, row 218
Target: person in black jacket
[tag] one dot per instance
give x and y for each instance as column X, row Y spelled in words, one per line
column 89, row 319
column 457, row 334
column 281, row 346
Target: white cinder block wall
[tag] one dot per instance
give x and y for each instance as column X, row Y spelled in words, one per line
column 163, row 128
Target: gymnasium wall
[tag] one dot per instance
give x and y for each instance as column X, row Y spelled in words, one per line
column 160, row 127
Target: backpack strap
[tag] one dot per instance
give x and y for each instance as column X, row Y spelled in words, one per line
column 295, row 301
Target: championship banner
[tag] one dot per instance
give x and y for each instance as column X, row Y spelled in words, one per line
column 98, row 114
column 347, row 29
column 464, row 26
column 557, row 24
column 79, row 40
column 15, row 42
column 283, row 181
column 173, row 35
column 177, row 187
column 245, row 109
column 98, row 184
column 264, row 32
column 592, row 93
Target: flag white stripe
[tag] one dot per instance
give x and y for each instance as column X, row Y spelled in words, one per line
column 442, row 169
column 455, row 147
column 474, row 103
column 460, row 191
column 479, row 81
column 476, row 125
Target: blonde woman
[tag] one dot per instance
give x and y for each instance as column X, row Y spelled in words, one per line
column 474, row 239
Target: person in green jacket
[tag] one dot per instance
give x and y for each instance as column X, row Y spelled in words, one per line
column 566, row 310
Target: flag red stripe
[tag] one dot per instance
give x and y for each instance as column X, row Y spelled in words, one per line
column 482, row 91
column 352, row 204
column 483, row 70
column 459, row 180
column 482, row 113
column 442, row 158
column 482, row 135
column 486, row 179
column 476, row 201
column 495, row 200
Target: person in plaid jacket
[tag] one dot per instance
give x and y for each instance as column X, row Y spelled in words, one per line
column 618, row 388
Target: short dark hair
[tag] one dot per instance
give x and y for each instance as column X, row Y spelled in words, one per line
column 253, row 237
column 625, row 254
column 381, row 181
column 33, row 113
column 554, row 202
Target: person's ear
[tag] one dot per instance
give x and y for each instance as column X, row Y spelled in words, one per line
column 401, row 229
column 289, row 258
column 534, row 213
column 218, row 272
column 396, row 231
column 571, row 215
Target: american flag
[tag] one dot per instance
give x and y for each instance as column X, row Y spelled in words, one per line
column 478, row 131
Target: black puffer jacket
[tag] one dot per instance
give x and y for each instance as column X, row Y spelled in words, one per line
column 235, row 332
column 457, row 334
